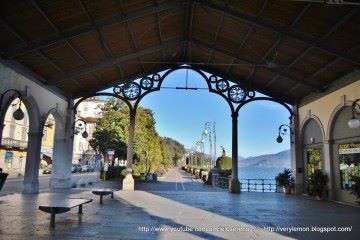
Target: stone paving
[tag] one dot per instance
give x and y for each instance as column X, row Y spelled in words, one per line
column 162, row 212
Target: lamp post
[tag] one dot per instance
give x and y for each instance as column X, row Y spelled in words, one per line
column 80, row 127
column 282, row 131
column 210, row 130
column 355, row 108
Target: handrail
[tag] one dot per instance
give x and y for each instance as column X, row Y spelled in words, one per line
column 250, row 184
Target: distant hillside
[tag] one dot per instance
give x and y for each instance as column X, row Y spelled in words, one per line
column 280, row 159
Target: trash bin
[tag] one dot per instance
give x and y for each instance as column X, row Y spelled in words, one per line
column 154, row 177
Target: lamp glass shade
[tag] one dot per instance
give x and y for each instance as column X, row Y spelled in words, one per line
column 279, row 139
column 85, row 134
column 205, row 131
column 354, row 123
column 18, row 114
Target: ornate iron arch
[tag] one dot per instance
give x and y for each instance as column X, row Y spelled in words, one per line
column 236, row 96
column 265, row 99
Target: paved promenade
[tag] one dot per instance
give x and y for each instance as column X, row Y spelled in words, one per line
column 179, row 208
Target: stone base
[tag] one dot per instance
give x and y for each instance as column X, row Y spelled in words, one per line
column 128, row 183
column 29, row 188
column 60, row 182
column 234, row 185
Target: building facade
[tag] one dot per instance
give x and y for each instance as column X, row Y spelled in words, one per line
column 327, row 142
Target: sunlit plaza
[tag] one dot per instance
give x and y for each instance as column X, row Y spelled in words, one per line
column 179, row 119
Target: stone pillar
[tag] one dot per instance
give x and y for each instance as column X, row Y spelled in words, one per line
column 297, row 164
column 128, row 182
column 63, row 152
column 2, row 125
column 234, row 184
column 327, row 156
column 31, row 178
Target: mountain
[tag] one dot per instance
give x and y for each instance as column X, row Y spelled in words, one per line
column 280, row 159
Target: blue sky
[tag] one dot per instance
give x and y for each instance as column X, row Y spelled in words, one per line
column 181, row 115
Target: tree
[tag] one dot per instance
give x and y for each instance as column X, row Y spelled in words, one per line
column 149, row 148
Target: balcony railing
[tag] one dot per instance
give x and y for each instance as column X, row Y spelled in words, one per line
column 13, row 143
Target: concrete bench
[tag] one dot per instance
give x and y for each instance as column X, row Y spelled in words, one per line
column 102, row 192
column 62, row 206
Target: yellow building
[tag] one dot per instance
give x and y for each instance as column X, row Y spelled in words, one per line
column 15, row 139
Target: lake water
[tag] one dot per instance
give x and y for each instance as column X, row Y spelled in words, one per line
column 268, row 185
column 259, row 172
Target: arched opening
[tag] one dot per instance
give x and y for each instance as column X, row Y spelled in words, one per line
column 187, row 106
column 14, row 140
column 88, row 112
column 47, row 145
column 312, row 142
column 345, row 153
column 261, row 157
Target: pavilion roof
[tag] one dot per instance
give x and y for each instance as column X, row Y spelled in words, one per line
column 285, row 49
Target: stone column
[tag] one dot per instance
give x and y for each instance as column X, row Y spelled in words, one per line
column 63, row 152
column 327, row 156
column 128, row 182
column 31, row 178
column 297, row 164
column 234, row 184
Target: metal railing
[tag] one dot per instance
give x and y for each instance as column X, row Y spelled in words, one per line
column 249, row 185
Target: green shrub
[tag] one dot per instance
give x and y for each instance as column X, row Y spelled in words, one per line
column 138, row 169
column 123, row 173
column 225, row 173
column 224, row 163
column 113, row 172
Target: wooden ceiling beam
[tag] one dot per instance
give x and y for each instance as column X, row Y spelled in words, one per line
column 279, row 31
column 59, row 32
column 242, row 58
column 115, row 60
column 248, row 33
column 122, row 11
column 16, row 51
column 299, row 57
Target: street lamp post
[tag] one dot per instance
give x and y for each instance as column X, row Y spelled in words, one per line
column 210, row 130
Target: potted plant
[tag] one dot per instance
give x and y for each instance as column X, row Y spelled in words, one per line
column 317, row 184
column 355, row 187
column 285, row 180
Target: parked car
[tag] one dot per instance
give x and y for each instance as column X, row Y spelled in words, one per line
column 85, row 168
column 47, row 170
column 91, row 168
column 76, row 168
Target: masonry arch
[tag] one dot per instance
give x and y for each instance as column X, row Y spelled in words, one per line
column 344, row 162
column 312, row 137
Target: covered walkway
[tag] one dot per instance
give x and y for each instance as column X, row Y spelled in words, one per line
column 171, row 214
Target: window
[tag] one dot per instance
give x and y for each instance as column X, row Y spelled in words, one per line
column 349, row 163
column 313, row 160
column 12, row 131
column 45, row 133
column 23, row 134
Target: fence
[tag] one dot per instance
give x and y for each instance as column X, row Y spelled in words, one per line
column 249, row 185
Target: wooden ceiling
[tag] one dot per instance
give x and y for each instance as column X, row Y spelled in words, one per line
column 283, row 49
